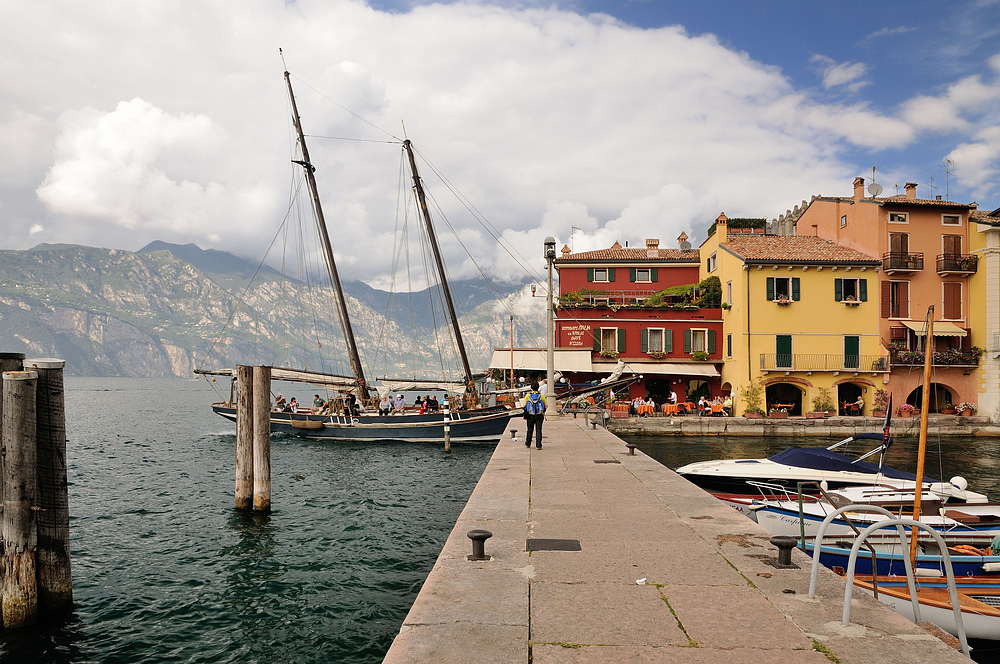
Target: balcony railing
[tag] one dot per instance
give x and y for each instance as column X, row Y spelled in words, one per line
column 953, row 357
column 898, row 261
column 822, row 362
column 957, row 263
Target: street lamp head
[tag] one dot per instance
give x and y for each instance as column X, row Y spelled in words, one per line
column 550, row 247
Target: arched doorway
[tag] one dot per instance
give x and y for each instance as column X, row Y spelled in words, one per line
column 940, row 395
column 848, row 393
column 783, row 395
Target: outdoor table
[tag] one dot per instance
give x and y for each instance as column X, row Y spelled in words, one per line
column 645, row 409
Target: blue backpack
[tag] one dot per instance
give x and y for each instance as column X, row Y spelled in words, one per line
column 534, row 404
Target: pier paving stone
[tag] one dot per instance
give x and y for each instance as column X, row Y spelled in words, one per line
column 635, row 520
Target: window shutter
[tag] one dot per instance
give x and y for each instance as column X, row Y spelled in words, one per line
column 631, row 274
column 729, row 345
column 770, row 288
column 863, row 290
column 711, row 341
column 952, row 300
column 668, row 341
column 621, row 339
column 903, row 291
column 597, row 340
column 644, row 341
column 838, row 290
column 611, row 274
column 952, row 245
column 590, row 274
column 795, row 288
column 652, row 275
column 687, row 341
column 886, row 299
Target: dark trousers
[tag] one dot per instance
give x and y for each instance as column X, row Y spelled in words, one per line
column 534, row 424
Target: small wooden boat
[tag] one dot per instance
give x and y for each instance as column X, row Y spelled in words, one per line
column 978, row 598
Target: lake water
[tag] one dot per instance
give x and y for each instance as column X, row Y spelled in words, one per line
column 165, row 570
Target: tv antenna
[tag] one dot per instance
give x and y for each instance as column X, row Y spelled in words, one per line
column 948, row 163
column 874, row 189
column 571, row 234
column 931, row 185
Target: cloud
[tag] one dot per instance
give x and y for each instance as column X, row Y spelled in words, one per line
column 543, row 119
column 848, row 75
column 888, row 32
column 978, row 162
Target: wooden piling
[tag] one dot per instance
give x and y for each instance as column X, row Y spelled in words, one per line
column 55, row 580
column 20, row 499
column 8, row 362
column 244, row 437
column 262, row 439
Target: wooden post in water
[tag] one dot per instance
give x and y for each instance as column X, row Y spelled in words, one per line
column 244, row 437
column 20, row 498
column 447, row 427
column 262, row 439
column 8, row 362
column 55, row 580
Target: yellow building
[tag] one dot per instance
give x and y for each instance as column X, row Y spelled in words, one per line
column 984, row 287
column 802, row 315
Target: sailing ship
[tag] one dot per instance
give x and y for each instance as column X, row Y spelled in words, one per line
column 467, row 422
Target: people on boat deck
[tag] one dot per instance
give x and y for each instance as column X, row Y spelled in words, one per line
column 351, row 404
column 534, row 415
column 433, row 406
column 279, row 402
column 399, row 404
column 318, row 404
column 385, row 406
column 330, row 406
column 293, row 406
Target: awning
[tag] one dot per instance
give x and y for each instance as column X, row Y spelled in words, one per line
column 702, row 369
column 536, row 359
column 941, row 329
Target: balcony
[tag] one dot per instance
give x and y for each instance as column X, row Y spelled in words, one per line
column 823, row 362
column 952, row 357
column 960, row 264
column 902, row 262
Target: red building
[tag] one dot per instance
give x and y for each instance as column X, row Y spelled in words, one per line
column 644, row 307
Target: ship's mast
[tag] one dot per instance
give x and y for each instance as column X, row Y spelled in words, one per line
column 331, row 264
column 470, row 384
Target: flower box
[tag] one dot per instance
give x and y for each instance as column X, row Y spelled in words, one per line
column 949, row 411
column 878, row 413
column 753, row 416
column 777, row 415
column 815, row 415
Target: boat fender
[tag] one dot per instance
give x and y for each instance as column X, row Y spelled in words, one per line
column 960, row 482
column 991, row 568
column 928, row 572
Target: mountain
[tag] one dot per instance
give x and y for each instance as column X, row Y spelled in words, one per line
column 163, row 310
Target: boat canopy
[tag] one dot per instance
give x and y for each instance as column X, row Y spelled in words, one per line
column 395, row 386
column 818, row 458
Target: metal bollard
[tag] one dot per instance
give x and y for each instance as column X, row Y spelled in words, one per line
column 479, row 538
column 785, row 545
column 631, row 448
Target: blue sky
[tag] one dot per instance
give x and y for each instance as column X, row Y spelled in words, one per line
column 123, row 124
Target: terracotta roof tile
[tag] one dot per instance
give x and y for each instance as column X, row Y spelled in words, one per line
column 630, row 255
column 793, row 249
column 903, row 200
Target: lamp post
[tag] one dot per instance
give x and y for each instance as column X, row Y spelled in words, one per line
column 550, row 387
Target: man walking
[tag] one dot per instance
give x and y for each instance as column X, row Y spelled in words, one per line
column 534, row 415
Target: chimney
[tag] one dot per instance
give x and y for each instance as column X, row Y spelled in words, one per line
column 681, row 239
column 911, row 190
column 859, row 188
column 565, row 250
column 721, row 227
column 652, row 248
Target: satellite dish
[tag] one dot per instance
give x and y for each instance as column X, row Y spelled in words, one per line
column 685, row 245
column 874, row 189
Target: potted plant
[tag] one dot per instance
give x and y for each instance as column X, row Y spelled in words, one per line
column 967, row 409
column 906, row 410
column 699, row 356
column 782, row 300
column 657, row 354
column 609, row 353
column 948, row 409
column 851, row 301
column 822, row 405
column 778, row 414
column 880, row 403
column 752, row 395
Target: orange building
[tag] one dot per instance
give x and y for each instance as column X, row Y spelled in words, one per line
column 924, row 248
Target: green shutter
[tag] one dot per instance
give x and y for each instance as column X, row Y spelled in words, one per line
column 652, row 275
column 770, row 288
column 863, row 290
column 668, row 341
column 711, row 341
column 644, row 341
column 621, row 339
column 729, row 345
column 795, row 288
column 611, row 274
column 590, row 274
column 687, row 341
column 597, row 340
column 631, row 274
column 838, row 290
